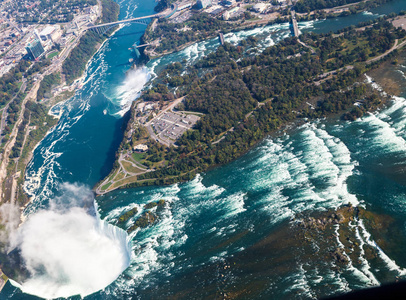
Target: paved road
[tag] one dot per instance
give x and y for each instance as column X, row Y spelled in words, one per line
column 294, row 23
column 327, row 75
column 395, row 46
column 4, row 109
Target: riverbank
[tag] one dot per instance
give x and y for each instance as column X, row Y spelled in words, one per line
column 202, row 220
column 201, row 149
column 36, row 132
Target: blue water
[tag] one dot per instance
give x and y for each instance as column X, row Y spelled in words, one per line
column 220, row 214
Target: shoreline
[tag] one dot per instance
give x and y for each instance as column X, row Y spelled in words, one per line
column 182, row 177
column 71, row 88
column 79, row 81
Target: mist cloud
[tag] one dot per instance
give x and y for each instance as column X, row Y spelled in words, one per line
column 68, row 250
column 130, row 89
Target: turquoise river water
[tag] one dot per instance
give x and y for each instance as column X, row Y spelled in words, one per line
column 72, row 248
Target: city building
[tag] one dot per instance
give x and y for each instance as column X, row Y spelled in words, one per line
column 141, row 148
column 260, row 7
column 52, row 33
column 184, row 6
column 35, row 49
column 201, row 4
column 233, row 10
column 37, row 36
column 229, row 2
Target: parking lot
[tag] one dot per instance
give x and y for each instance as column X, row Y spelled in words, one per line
column 170, row 126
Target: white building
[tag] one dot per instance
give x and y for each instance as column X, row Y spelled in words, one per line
column 141, row 148
column 52, row 33
column 229, row 2
column 202, row 4
column 260, row 7
column 184, row 6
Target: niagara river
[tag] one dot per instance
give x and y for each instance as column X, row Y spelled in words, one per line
column 221, row 231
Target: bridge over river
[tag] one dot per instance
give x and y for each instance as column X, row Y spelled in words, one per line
column 102, row 28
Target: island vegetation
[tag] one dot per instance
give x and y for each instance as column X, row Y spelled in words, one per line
column 146, row 218
column 244, row 98
column 306, row 6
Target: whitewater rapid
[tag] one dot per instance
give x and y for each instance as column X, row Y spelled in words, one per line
column 309, row 168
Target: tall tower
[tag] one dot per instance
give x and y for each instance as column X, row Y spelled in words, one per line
column 35, row 49
column 203, row 3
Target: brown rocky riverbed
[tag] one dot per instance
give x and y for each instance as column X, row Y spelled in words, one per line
column 311, row 243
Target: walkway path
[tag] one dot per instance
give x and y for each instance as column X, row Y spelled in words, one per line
column 395, row 46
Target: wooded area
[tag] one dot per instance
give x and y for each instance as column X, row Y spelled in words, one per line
column 75, row 63
column 244, row 98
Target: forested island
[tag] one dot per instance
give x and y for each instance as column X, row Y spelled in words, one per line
column 165, row 35
column 242, row 98
column 306, row 6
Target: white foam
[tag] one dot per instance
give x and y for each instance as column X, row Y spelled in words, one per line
column 374, row 84
column 402, row 73
column 395, row 115
column 384, row 137
column 152, row 67
column 130, row 89
column 301, row 283
column 69, row 251
column 267, row 31
column 391, row 264
column 306, row 171
column 365, row 267
column 152, row 244
column 338, row 280
column 234, row 204
column 365, row 275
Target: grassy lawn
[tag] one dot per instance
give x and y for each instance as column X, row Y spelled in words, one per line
column 106, row 186
column 193, row 113
column 138, row 156
column 52, row 54
column 349, row 45
column 113, row 175
column 119, row 176
column 130, row 168
column 125, row 181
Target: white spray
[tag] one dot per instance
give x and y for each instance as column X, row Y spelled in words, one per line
column 68, row 250
column 130, row 89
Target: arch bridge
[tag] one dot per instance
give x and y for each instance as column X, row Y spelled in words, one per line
column 102, row 28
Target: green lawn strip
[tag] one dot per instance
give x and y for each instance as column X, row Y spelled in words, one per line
column 124, row 181
column 106, row 186
column 130, row 168
column 119, row 176
column 138, row 157
column 52, row 54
